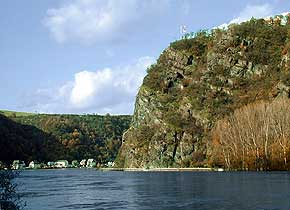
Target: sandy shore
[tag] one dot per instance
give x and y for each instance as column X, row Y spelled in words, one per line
column 160, row 169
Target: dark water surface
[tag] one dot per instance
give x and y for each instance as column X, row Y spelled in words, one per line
column 91, row 189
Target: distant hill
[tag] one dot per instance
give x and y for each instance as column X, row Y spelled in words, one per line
column 44, row 137
column 26, row 142
column 8, row 113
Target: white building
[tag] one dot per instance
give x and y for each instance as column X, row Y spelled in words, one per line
column 34, row 165
column 91, row 163
column 50, row 164
column 111, row 164
column 18, row 164
column 61, row 164
column 83, row 163
column 31, row 164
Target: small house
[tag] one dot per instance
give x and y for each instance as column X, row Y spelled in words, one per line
column 61, row 164
column 83, row 163
column 91, row 163
column 18, row 164
column 110, row 164
column 34, row 165
column 50, row 164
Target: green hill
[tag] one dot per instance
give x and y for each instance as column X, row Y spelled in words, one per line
column 26, row 142
column 8, row 113
column 75, row 136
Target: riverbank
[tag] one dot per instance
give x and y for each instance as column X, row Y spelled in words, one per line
column 160, row 169
column 131, row 169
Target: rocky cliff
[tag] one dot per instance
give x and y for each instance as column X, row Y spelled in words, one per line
column 197, row 81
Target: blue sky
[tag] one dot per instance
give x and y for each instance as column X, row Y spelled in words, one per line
column 90, row 56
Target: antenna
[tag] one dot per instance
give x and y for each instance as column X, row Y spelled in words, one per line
column 183, row 30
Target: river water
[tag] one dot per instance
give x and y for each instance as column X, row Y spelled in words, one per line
column 91, row 189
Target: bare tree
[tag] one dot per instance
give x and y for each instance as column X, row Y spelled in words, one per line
column 248, row 137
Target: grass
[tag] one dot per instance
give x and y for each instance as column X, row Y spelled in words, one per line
column 16, row 114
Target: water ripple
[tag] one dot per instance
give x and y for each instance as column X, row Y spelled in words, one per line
column 91, row 189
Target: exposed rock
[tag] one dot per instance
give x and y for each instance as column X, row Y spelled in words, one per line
column 194, row 83
column 280, row 90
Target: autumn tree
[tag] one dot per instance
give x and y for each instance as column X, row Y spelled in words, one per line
column 254, row 137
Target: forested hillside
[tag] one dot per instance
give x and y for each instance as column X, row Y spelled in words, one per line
column 191, row 108
column 26, row 142
column 74, row 136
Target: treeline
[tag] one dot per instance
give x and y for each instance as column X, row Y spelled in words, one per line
column 255, row 137
column 71, row 136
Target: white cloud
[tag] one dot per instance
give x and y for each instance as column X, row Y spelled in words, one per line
column 88, row 84
column 100, row 20
column 109, row 90
column 256, row 11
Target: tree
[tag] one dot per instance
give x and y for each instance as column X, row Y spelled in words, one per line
column 9, row 198
column 256, row 136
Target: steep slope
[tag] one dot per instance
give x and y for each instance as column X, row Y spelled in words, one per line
column 198, row 81
column 26, row 142
column 78, row 136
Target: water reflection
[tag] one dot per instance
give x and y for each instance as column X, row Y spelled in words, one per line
column 90, row 189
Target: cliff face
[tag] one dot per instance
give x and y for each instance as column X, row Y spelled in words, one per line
column 197, row 81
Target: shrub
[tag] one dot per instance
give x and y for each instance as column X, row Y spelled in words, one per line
column 9, row 198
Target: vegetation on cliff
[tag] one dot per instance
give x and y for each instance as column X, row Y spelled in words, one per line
column 196, row 83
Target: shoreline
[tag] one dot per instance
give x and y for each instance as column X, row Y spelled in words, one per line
column 160, row 169
column 146, row 170
column 133, row 169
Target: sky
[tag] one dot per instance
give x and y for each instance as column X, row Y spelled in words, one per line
column 90, row 56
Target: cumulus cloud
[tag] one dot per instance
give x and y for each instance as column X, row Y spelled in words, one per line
column 256, row 11
column 88, row 84
column 108, row 90
column 102, row 20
